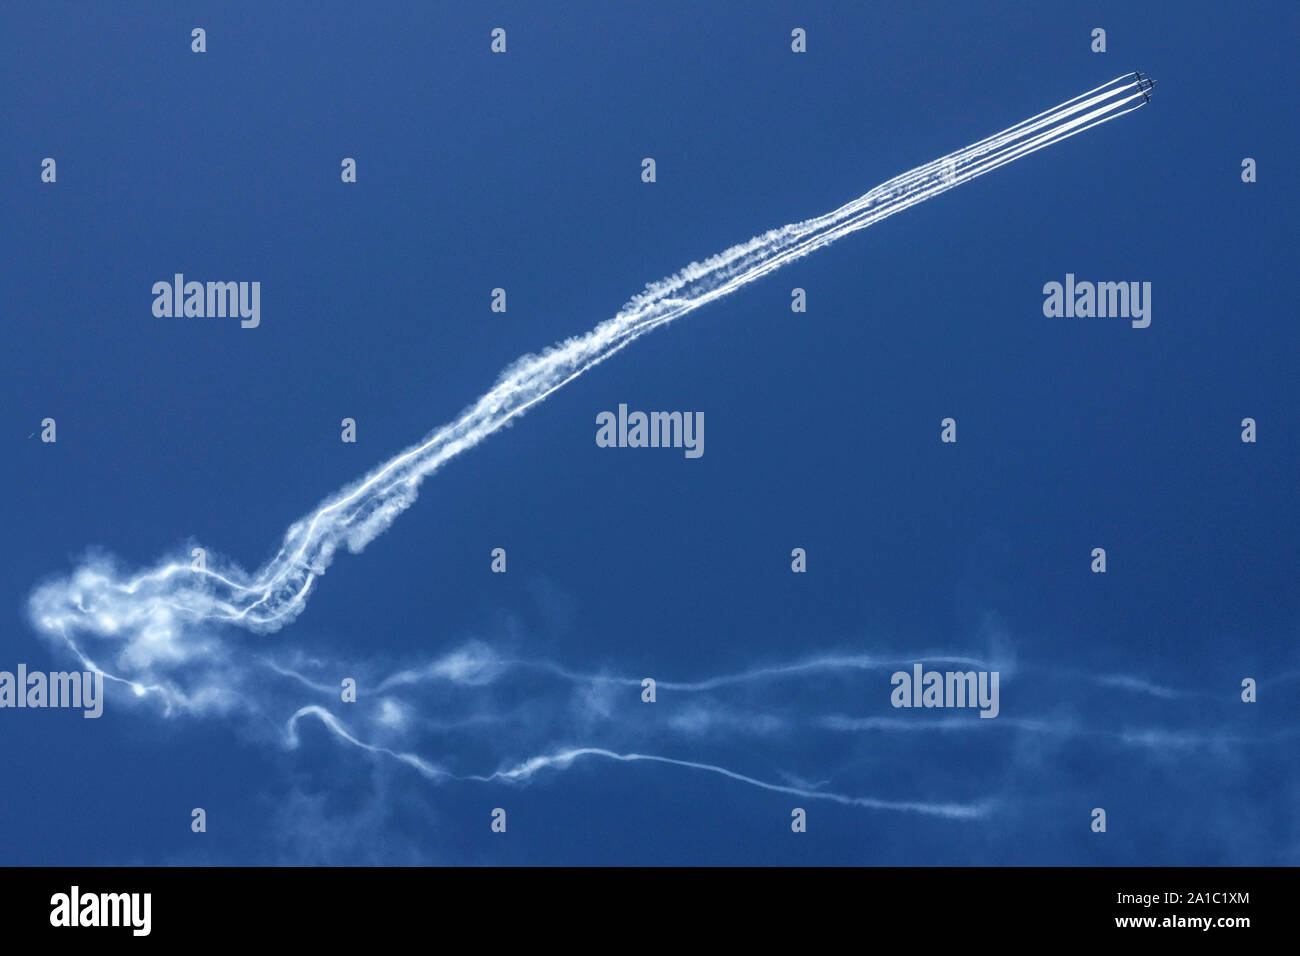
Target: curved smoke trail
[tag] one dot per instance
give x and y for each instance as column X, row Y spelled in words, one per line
column 148, row 614
column 158, row 624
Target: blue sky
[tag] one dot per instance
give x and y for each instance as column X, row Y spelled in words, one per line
column 522, row 171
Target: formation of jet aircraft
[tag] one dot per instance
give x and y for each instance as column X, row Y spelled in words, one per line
column 1144, row 84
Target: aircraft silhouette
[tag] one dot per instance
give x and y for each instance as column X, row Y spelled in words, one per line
column 1145, row 84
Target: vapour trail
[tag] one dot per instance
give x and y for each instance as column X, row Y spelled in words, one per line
column 1160, row 739
column 957, row 811
column 475, row 665
column 564, row 758
column 154, row 615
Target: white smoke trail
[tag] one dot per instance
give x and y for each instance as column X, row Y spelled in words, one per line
column 956, row 811
column 619, row 735
column 563, row 759
column 152, row 614
column 336, row 727
column 1141, row 686
column 475, row 664
column 1162, row 740
column 927, row 724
